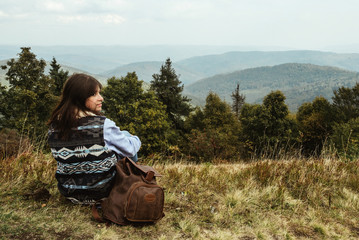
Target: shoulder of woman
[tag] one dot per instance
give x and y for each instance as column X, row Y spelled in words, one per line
column 109, row 123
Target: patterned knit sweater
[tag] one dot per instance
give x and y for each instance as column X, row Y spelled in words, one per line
column 85, row 166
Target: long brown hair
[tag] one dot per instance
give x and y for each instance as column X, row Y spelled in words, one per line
column 76, row 90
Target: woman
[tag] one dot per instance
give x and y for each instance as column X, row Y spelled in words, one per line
column 85, row 144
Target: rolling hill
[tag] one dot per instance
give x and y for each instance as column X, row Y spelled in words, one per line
column 145, row 70
column 97, row 58
column 199, row 67
column 299, row 82
column 101, row 78
column 210, row 65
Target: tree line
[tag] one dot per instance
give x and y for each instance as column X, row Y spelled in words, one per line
column 169, row 126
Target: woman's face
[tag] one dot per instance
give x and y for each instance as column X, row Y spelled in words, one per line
column 94, row 102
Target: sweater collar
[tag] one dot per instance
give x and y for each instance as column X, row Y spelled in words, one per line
column 82, row 114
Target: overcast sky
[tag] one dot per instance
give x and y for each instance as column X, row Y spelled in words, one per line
column 297, row 24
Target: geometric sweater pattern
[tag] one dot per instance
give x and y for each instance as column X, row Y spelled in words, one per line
column 85, row 166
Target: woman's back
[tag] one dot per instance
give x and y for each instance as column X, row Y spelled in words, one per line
column 85, row 166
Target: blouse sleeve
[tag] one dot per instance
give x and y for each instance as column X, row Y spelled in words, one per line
column 119, row 141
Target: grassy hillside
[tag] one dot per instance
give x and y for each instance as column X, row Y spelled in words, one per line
column 299, row 82
column 286, row 199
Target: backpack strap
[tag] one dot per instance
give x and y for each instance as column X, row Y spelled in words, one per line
column 143, row 168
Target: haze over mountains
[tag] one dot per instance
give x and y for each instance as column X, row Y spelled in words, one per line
column 301, row 75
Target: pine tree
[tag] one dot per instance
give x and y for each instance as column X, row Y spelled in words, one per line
column 215, row 131
column 315, row 122
column 238, row 101
column 27, row 103
column 58, row 75
column 268, row 127
column 346, row 103
column 217, row 113
column 168, row 89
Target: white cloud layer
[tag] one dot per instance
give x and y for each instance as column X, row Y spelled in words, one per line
column 290, row 23
column 105, row 18
column 54, row 6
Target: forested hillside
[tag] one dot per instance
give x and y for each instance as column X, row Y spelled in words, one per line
column 299, row 82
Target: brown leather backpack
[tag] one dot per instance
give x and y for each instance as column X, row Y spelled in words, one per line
column 135, row 196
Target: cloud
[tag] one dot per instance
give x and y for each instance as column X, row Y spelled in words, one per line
column 54, row 6
column 233, row 22
column 112, row 18
column 104, row 18
column 79, row 7
column 2, row 14
column 190, row 9
column 47, row 12
column 11, row 16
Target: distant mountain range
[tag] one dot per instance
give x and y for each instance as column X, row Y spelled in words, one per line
column 145, row 70
column 205, row 68
column 199, row 67
column 71, row 70
column 233, row 61
column 299, row 82
column 97, row 59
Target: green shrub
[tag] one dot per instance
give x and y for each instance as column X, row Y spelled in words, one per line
column 12, row 143
column 346, row 139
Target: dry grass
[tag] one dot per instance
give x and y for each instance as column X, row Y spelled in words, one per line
column 293, row 199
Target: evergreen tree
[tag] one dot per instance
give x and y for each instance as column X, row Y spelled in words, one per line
column 138, row 112
column 277, row 113
column 315, row 122
column 168, row 89
column 120, row 95
column 268, row 128
column 58, row 75
column 254, row 123
column 346, row 112
column 217, row 113
column 195, row 120
column 215, row 131
column 27, row 103
column 346, row 103
column 238, row 101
